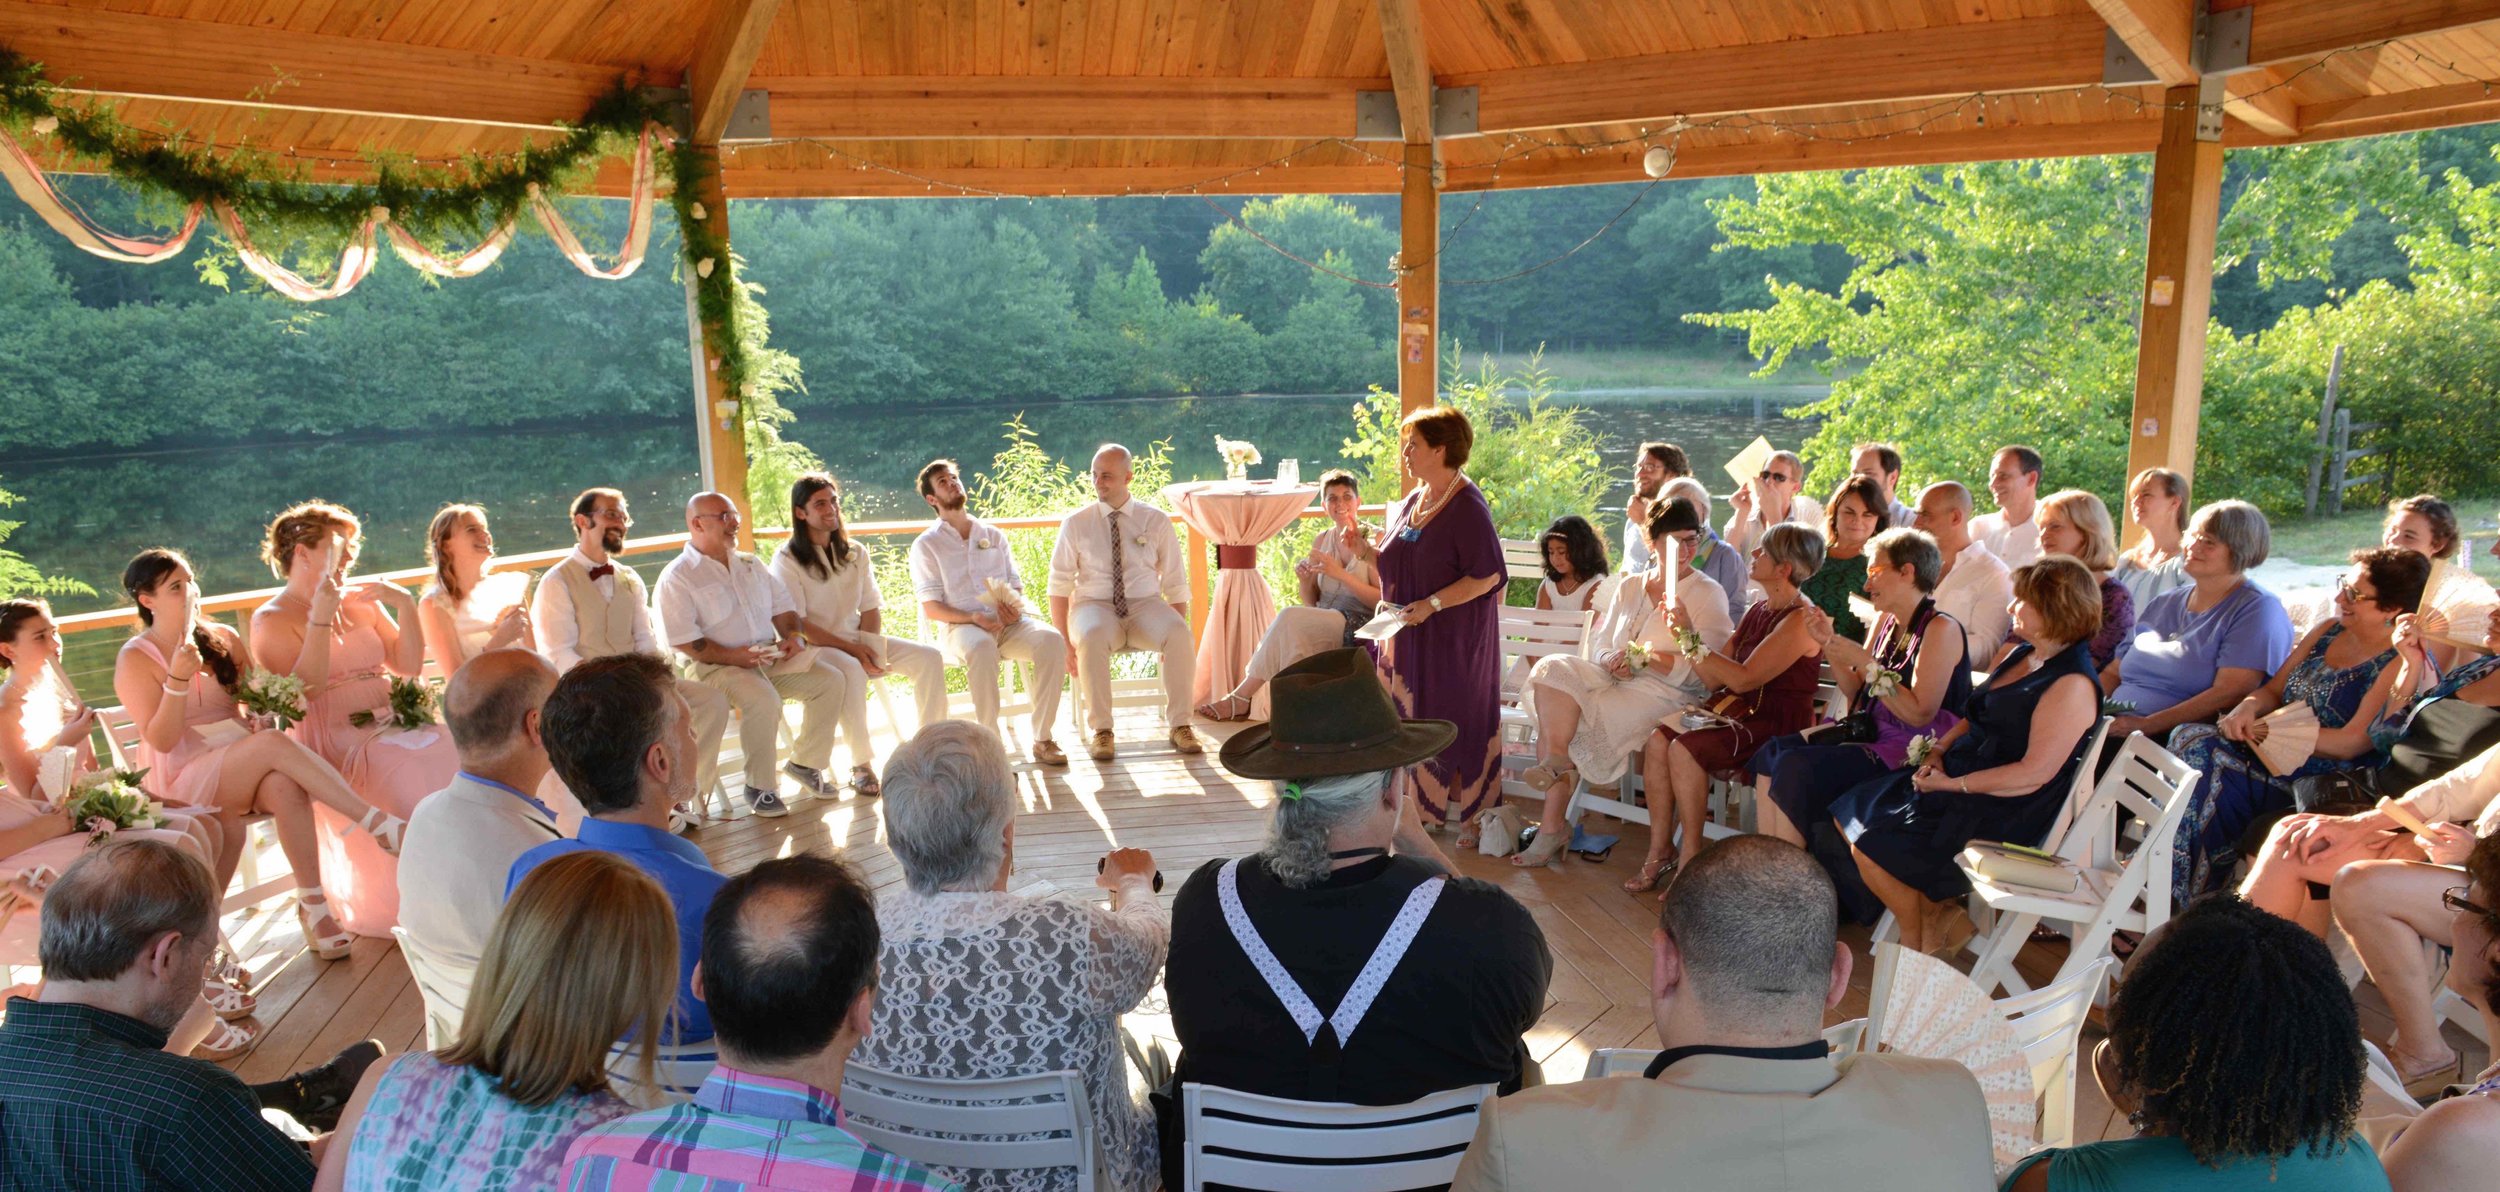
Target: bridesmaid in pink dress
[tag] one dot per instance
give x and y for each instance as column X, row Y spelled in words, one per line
column 201, row 751
column 340, row 640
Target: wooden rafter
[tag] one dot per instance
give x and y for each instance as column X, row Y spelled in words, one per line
column 922, row 108
column 2039, row 53
column 2161, row 33
column 2259, row 99
column 2449, row 97
column 1410, row 67
column 2289, row 30
column 718, row 72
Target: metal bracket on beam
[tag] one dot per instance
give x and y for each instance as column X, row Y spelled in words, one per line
column 678, row 105
column 1453, row 114
column 2209, row 97
column 2222, row 41
column 2119, row 65
column 752, row 118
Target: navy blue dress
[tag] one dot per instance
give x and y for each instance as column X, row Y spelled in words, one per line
column 1913, row 834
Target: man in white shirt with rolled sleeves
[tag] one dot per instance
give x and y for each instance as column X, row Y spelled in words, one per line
column 724, row 611
column 590, row 606
column 1117, row 582
column 952, row 563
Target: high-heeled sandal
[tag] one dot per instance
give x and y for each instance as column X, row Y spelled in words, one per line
column 1540, row 777
column 385, row 828
column 226, row 1001
column 327, row 947
column 1546, row 849
column 864, row 783
column 1652, row 873
column 1223, row 709
column 225, row 1041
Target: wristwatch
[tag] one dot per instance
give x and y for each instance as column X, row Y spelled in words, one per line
column 1435, row 602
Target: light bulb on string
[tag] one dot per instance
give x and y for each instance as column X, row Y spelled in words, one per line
column 1659, row 161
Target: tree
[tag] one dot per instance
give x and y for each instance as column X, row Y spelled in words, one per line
column 1262, row 285
column 1534, row 460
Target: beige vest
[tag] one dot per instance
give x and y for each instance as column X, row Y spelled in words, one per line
column 606, row 625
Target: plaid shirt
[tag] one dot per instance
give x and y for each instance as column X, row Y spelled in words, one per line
column 90, row 1100
column 743, row 1131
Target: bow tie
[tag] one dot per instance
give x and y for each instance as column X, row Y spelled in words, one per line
column 603, row 570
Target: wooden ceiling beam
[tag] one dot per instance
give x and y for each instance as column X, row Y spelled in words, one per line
column 1789, row 156
column 958, row 108
column 2040, row 53
column 835, row 182
column 1410, row 67
column 2259, row 98
column 2448, row 97
column 2161, row 33
column 97, row 51
column 717, row 74
column 2289, row 30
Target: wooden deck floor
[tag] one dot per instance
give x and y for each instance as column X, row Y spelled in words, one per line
column 1187, row 810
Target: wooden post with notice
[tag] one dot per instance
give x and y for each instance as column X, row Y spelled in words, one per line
column 2178, row 283
column 1419, row 289
column 719, row 410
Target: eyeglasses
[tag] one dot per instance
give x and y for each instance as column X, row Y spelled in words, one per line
column 2454, row 899
column 1772, row 476
column 2345, row 591
column 727, row 516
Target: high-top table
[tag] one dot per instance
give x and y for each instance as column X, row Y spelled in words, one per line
column 1237, row 516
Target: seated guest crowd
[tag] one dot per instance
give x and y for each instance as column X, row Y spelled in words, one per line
column 603, row 1007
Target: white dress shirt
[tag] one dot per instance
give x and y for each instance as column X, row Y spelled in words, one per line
column 453, row 865
column 558, row 624
column 952, row 568
column 1744, row 531
column 1151, row 563
column 731, row 605
column 2016, row 546
column 835, row 601
column 1976, row 592
column 2471, row 792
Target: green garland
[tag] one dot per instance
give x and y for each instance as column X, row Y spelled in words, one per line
column 438, row 207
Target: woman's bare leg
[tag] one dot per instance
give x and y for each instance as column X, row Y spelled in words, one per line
column 1661, row 800
column 1558, row 720
column 2389, row 908
column 1908, row 906
column 1691, row 786
column 193, row 1028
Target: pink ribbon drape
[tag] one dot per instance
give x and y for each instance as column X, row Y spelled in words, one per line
column 26, row 177
column 637, row 227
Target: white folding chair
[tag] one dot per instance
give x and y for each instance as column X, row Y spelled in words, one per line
column 677, row 1070
column 1522, row 559
column 121, row 741
column 1528, row 634
column 2049, row 1023
column 1013, row 1123
column 1269, row 1144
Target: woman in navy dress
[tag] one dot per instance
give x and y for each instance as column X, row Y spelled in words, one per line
column 2002, row 774
column 1441, row 560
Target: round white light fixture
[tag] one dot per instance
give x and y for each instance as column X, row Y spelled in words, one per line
column 1659, row 161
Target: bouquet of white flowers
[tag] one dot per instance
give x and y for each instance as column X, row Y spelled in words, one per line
column 1881, row 681
column 112, row 802
column 1921, row 747
column 412, row 706
column 1238, row 456
column 269, row 694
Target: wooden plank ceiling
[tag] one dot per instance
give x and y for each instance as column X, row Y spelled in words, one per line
column 909, row 97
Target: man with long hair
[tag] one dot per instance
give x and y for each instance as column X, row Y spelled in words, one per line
column 834, row 583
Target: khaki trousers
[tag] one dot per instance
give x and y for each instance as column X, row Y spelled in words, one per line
column 920, row 664
column 1152, row 626
column 757, row 695
column 1027, row 640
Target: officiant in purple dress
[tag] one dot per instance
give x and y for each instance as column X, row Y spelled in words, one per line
column 1442, row 561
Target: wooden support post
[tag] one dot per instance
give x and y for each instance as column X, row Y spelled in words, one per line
column 1419, row 288
column 721, row 426
column 2178, row 284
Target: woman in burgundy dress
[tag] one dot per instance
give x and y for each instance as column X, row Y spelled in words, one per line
column 1763, row 688
column 1441, row 559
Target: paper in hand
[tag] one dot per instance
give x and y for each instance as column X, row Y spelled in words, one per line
column 1748, row 462
column 1384, row 625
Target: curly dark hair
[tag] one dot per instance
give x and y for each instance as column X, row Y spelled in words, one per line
column 1581, row 545
column 2235, row 1032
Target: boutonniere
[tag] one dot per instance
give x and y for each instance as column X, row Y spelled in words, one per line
column 981, row 544
column 1139, row 540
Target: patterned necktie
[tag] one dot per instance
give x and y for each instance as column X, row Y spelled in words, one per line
column 1119, row 571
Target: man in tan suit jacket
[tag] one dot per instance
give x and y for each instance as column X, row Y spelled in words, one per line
column 1744, row 1097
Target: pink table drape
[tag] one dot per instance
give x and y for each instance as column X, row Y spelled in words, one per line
column 1237, row 516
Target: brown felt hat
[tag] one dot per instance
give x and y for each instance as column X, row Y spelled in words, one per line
column 1331, row 716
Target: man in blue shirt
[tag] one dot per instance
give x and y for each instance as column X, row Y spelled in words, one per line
column 622, row 740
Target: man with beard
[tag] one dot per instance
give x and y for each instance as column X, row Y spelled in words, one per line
column 1656, row 464
column 952, row 566
column 590, row 606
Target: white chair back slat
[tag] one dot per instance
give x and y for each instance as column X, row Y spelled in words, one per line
column 677, row 1071
column 1522, row 559
column 2079, row 792
column 1266, row 1143
column 985, row 1119
column 121, row 736
column 2048, row 1023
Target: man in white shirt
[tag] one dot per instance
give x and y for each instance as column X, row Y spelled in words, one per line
column 1977, row 586
column 1652, row 469
column 462, row 840
column 2012, row 533
column 833, row 582
column 1770, row 498
column 727, row 614
column 590, row 606
column 952, row 564
column 1117, row 582
column 1883, row 462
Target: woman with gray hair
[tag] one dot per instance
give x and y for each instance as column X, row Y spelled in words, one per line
column 978, row 983
column 1343, row 962
column 2198, row 650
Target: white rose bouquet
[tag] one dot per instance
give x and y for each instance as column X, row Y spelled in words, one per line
column 274, row 695
column 113, row 802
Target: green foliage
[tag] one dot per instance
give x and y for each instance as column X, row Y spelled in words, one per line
column 773, row 464
column 1023, row 480
column 20, row 578
column 1534, row 460
column 1254, row 281
column 1326, row 345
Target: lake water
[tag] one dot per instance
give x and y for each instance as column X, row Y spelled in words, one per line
column 84, row 518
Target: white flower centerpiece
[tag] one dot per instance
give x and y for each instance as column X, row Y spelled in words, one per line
column 1238, row 455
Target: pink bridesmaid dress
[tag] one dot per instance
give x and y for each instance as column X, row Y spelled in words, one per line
column 187, row 774
column 387, row 767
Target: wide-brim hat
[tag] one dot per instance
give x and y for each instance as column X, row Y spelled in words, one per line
column 1329, row 716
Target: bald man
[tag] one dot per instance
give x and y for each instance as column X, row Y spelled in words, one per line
column 730, row 616
column 463, row 839
column 1977, row 586
column 1118, row 581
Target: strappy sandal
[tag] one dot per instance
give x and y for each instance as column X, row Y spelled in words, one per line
column 1224, row 708
column 226, row 1001
column 225, row 1041
column 1652, row 873
column 1546, row 849
column 385, row 828
column 327, row 947
column 1540, row 777
column 864, row 782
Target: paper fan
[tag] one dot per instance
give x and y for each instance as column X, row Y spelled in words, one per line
column 2289, row 736
column 1938, row 1012
column 2457, row 606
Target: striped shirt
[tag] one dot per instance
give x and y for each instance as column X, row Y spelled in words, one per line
column 743, row 1131
column 90, row 1100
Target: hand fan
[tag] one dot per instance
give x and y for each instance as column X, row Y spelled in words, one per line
column 2287, row 738
column 1938, row 1012
column 2456, row 607
column 1666, row 572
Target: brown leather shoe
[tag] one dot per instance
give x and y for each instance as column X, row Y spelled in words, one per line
column 1047, row 752
column 1186, row 742
column 1100, row 747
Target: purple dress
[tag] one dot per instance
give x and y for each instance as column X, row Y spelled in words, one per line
column 1449, row 667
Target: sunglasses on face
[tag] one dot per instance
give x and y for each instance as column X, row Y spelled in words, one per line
column 2345, row 591
column 1772, row 476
